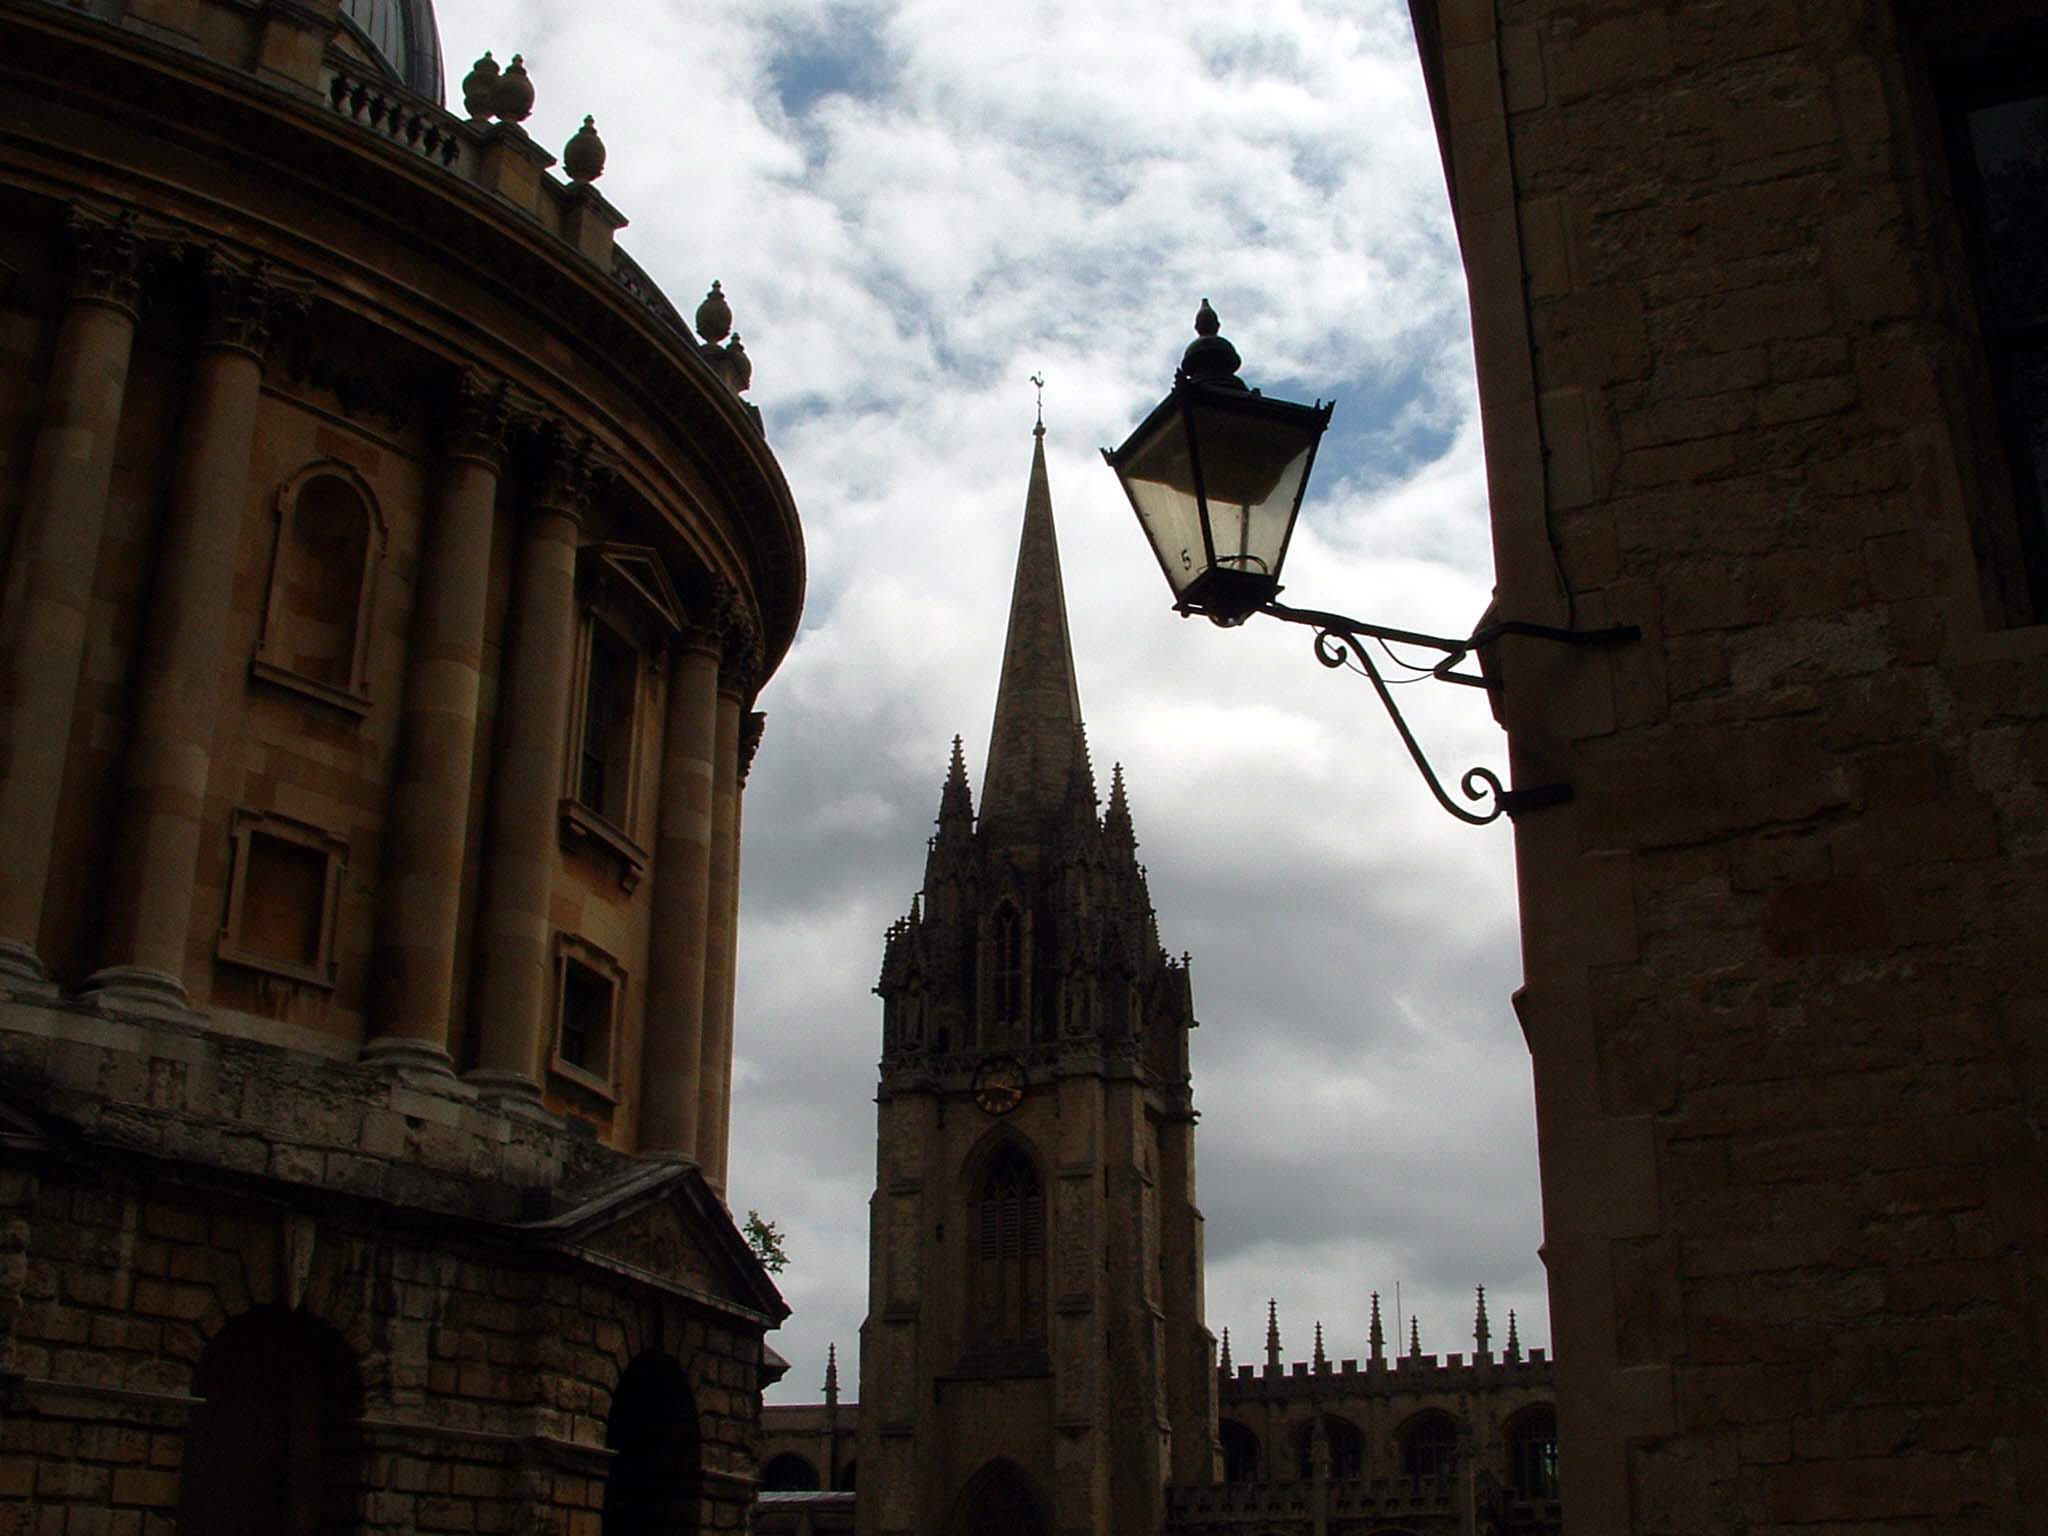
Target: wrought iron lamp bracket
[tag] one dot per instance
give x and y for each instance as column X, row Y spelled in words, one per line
column 1339, row 638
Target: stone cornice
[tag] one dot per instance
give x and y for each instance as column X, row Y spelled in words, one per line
column 402, row 200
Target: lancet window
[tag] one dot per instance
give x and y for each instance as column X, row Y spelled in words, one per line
column 1008, row 968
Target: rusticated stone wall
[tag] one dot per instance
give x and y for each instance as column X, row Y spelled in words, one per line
column 488, row 1279
column 1784, row 990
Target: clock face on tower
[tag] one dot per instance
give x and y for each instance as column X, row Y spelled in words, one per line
column 999, row 1084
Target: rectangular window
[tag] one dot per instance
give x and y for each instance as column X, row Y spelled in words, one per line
column 284, row 891
column 607, row 766
column 589, row 998
column 601, row 789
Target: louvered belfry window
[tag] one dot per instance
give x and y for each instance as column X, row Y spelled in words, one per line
column 1010, row 1251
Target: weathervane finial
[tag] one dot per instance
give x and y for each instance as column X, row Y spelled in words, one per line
column 1038, row 379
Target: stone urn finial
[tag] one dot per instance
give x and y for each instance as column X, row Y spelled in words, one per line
column 739, row 368
column 583, row 155
column 479, row 87
column 714, row 315
column 512, row 100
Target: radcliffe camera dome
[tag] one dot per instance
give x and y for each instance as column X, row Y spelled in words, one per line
column 403, row 36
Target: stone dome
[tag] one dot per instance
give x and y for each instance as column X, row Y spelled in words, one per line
column 403, row 35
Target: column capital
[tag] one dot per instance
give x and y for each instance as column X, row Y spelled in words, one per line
column 739, row 638
column 107, row 251
column 245, row 301
column 477, row 420
column 751, row 727
column 569, row 467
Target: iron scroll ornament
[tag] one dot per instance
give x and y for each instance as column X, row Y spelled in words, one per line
column 1339, row 639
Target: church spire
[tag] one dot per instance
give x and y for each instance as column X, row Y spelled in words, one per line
column 1037, row 754
column 1376, row 1338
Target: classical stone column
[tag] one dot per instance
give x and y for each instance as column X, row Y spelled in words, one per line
column 422, row 893
column 751, row 725
column 522, row 837
column 673, row 1042
column 49, row 581
column 714, row 1075
column 148, row 912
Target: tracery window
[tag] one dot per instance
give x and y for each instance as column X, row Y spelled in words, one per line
column 1429, row 1446
column 1009, row 1255
column 1532, row 1454
column 1347, row 1448
column 1240, row 1452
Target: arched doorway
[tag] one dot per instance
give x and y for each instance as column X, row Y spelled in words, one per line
column 999, row 1501
column 789, row 1473
column 274, row 1443
column 654, row 1485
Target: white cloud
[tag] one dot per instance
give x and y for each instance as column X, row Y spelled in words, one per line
column 913, row 205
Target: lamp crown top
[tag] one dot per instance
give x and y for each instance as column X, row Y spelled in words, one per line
column 1210, row 358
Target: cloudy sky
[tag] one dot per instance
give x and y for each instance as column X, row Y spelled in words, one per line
column 913, row 206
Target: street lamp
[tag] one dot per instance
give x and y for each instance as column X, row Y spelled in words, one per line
column 1216, row 474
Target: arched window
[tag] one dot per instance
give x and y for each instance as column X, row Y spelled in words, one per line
column 1347, row 1448
column 1429, row 1445
column 1007, row 970
column 1009, row 1253
column 999, row 1502
column 1532, row 1454
column 272, row 1445
column 789, row 1473
column 323, row 569
column 1240, row 1452
column 652, row 1486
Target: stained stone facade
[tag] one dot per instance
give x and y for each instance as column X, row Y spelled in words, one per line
column 1757, row 303
column 389, row 576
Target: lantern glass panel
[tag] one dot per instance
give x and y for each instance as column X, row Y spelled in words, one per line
column 1159, row 477
column 1252, row 470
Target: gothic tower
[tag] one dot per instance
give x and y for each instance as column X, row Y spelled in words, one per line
column 1034, row 1358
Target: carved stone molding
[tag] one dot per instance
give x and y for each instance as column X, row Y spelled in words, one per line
column 750, row 740
column 246, row 299
column 568, row 470
column 478, row 422
column 739, row 635
column 107, row 255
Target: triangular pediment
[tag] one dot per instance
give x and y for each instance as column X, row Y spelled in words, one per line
column 662, row 1223
column 636, row 572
